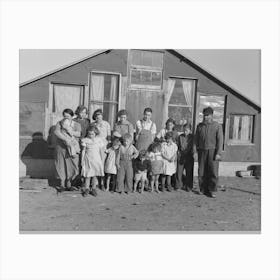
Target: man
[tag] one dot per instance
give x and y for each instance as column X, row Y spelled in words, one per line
column 208, row 145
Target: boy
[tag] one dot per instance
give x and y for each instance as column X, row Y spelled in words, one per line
column 185, row 159
column 127, row 152
column 142, row 165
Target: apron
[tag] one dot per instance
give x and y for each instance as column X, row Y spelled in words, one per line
column 145, row 138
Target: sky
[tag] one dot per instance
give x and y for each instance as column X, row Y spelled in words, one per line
column 240, row 69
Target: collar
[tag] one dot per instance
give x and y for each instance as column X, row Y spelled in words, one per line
column 125, row 122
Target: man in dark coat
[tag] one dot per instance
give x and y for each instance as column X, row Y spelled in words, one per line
column 208, row 145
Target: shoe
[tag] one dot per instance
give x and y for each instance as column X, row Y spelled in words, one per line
column 212, row 195
column 85, row 192
column 169, row 189
column 70, row 189
column 60, row 189
column 93, row 192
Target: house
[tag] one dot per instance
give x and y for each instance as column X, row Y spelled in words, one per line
column 165, row 80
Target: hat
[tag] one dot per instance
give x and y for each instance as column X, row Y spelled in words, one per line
column 117, row 134
column 208, row 111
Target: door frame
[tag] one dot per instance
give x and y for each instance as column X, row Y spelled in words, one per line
column 87, row 100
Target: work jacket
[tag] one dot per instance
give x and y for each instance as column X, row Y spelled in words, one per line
column 209, row 136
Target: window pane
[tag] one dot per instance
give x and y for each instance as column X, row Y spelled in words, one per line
column 135, row 77
column 178, row 96
column 216, row 102
column 111, row 85
column 181, row 115
column 146, row 58
column 240, row 128
column 110, row 113
column 146, row 78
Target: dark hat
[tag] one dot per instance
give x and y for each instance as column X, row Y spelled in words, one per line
column 208, row 111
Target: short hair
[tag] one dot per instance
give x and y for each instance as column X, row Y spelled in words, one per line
column 208, row 111
column 170, row 120
column 148, row 110
column 68, row 111
column 189, row 125
column 94, row 129
column 80, row 109
column 122, row 113
column 142, row 153
column 127, row 136
column 96, row 113
column 169, row 135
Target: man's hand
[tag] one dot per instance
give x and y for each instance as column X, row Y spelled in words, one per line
column 218, row 157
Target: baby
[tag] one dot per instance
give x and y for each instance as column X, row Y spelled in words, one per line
column 71, row 143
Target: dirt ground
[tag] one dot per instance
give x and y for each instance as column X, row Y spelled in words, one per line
column 237, row 208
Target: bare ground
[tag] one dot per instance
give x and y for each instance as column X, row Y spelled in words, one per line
column 238, row 208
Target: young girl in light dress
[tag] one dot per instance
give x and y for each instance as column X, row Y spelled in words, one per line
column 169, row 155
column 92, row 161
column 156, row 165
column 110, row 167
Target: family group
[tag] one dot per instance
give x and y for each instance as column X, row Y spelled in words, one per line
column 123, row 159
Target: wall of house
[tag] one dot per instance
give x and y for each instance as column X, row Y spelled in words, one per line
column 136, row 100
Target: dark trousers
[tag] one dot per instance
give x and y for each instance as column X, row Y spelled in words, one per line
column 185, row 162
column 125, row 176
column 208, row 169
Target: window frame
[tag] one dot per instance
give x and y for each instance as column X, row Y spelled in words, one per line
column 238, row 142
column 131, row 67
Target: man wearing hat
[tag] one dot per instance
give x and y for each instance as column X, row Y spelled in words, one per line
column 208, row 147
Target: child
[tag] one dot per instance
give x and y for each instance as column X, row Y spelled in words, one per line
column 169, row 155
column 142, row 165
column 110, row 168
column 72, row 144
column 156, row 165
column 92, row 162
column 127, row 152
column 185, row 158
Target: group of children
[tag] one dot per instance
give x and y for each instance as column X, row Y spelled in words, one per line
column 125, row 169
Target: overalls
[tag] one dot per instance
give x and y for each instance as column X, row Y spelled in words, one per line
column 125, row 172
column 145, row 138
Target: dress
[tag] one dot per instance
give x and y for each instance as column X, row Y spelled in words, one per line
column 110, row 162
column 92, row 164
column 169, row 150
column 156, row 163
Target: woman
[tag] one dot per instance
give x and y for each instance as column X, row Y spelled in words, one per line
column 104, row 135
column 81, row 118
column 145, row 130
column 169, row 127
column 123, row 126
column 67, row 167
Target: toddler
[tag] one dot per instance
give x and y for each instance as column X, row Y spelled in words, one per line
column 156, row 165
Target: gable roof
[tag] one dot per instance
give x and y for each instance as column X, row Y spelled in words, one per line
column 180, row 56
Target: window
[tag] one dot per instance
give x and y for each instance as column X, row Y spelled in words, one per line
column 104, row 94
column 67, row 96
column 180, row 106
column 217, row 102
column 145, row 69
column 241, row 129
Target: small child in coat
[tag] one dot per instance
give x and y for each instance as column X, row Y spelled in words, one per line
column 127, row 152
column 141, row 165
column 169, row 155
column 110, row 167
column 72, row 144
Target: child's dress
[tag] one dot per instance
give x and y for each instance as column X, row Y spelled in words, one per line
column 169, row 150
column 92, row 164
column 156, row 163
column 110, row 162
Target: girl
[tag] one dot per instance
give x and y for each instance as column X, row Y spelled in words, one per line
column 169, row 127
column 169, row 154
column 156, row 165
column 92, row 161
column 110, row 163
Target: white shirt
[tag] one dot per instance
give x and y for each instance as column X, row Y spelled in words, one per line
column 141, row 124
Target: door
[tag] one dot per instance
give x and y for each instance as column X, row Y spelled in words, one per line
column 104, row 94
column 181, row 99
column 64, row 96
